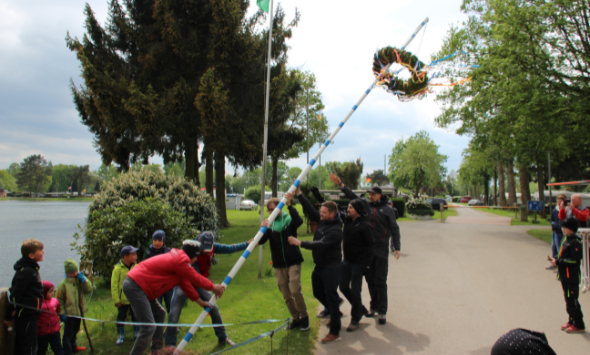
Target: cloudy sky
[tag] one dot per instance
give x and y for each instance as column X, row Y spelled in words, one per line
column 335, row 40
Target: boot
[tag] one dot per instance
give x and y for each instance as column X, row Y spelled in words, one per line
column 120, row 336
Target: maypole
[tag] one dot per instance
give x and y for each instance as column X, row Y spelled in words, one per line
column 281, row 204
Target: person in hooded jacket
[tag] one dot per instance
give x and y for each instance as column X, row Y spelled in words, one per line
column 287, row 259
column 26, row 298
column 48, row 324
column 158, row 247
column 384, row 226
column 326, row 250
column 358, row 247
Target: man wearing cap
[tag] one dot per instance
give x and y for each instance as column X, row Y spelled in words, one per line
column 151, row 278
column 202, row 266
column 158, row 247
column 384, row 226
column 128, row 261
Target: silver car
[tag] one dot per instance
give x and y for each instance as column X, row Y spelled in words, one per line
column 248, row 205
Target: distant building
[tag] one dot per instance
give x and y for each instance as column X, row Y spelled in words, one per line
column 3, row 193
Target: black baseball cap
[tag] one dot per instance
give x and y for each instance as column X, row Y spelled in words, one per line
column 375, row 190
column 128, row 250
column 207, row 239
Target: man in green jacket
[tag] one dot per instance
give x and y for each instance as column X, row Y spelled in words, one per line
column 126, row 264
column 69, row 299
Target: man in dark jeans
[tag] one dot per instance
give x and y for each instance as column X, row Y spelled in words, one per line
column 384, row 226
column 358, row 245
column 326, row 250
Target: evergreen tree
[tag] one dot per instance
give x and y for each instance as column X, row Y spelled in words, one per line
column 34, row 173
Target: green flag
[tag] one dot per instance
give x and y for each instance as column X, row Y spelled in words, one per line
column 263, row 5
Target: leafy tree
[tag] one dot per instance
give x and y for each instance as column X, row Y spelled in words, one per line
column 7, row 181
column 349, row 172
column 378, row 177
column 176, row 169
column 290, row 178
column 35, row 173
column 416, row 162
column 107, row 173
column 451, row 185
column 254, row 193
column 81, row 177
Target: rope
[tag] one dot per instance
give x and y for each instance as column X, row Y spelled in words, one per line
column 271, row 334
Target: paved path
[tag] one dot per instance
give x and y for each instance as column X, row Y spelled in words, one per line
column 473, row 216
column 457, row 288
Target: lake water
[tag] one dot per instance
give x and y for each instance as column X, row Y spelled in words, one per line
column 53, row 223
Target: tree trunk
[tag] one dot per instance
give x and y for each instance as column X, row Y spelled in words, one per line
column 274, row 183
column 220, row 190
column 496, row 187
column 511, row 183
column 197, row 167
column 486, row 189
column 190, row 154
column 209, row 170
column 501, row 185
column 525, row 191
column 419, row 184
column 541, row 182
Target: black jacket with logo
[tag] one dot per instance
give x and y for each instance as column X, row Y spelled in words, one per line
column 326, row 247
column 569, row 260
column 26, row 289
column 358, row 243
column 284, row 254
column 382, row 220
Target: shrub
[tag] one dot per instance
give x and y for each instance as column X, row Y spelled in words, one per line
column 456, row 199
column 254, row 193
column 419, row 208
column 110, row 229
column 400, row 204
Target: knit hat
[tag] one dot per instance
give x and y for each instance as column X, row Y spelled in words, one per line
column 571, row 224
column 192, row 248
column 159, row 234
column 70, row 266
column 47, row 286
column 358, row 206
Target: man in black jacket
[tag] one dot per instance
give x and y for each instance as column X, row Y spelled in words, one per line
column 326, row 250
column 384, row 226
column 287, row 259
column 358, row 246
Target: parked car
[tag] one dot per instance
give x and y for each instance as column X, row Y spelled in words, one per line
column 475, row 203
column 248, row 205
column 466, row 199
column 435, row 202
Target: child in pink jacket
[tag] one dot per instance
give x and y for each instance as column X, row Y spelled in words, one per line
column 48, row 323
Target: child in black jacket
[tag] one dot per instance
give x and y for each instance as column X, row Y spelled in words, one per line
column 26, row 298
column 568, row 264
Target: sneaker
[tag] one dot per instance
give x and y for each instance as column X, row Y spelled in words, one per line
column 120, row 339
column 304, row 324
column 382, row 319
column 567, row 325
column 353, row 326
column 371, row 314
column 296, row 323
column 322, row 314
column 330, row 338
column 226, row 341
column 77, row 349
column 573, row 330
column 136, row 332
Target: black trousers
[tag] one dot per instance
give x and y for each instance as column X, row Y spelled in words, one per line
column 377, row 281
column 50, row 339
column 574, row 310
column 122, row 315
column 25, row 342
column 71, row 329
column 351, row 283
column 324, row 282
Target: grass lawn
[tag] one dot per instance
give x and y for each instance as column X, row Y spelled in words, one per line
column 516, row 221
column 542, row 234
column 246, row 299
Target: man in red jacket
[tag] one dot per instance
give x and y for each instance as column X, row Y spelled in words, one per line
column 574, row 209
column 152, row 278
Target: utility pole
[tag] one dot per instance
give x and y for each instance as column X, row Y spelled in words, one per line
column 320, row 169
column 307, row 116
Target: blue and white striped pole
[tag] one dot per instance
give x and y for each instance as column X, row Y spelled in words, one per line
column 281, row 204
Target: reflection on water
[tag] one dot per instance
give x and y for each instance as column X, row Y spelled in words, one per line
column 53, row 223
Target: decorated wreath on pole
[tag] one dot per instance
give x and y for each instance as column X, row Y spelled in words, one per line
column 418, row 82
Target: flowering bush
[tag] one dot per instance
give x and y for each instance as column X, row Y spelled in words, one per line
column 419, row 208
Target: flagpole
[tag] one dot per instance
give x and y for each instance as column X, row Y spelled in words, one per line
column 228, row 279
column 264, row 146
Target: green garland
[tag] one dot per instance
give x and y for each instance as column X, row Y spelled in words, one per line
column 415, row 85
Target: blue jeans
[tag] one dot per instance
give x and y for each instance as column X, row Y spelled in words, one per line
column 351, row 284
column 324, row 282
column 556, row 240
column 178, row 300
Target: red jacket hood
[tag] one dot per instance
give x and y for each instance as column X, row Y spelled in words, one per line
column 161, row 273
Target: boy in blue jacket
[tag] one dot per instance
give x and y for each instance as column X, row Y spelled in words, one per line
column 208, row 250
